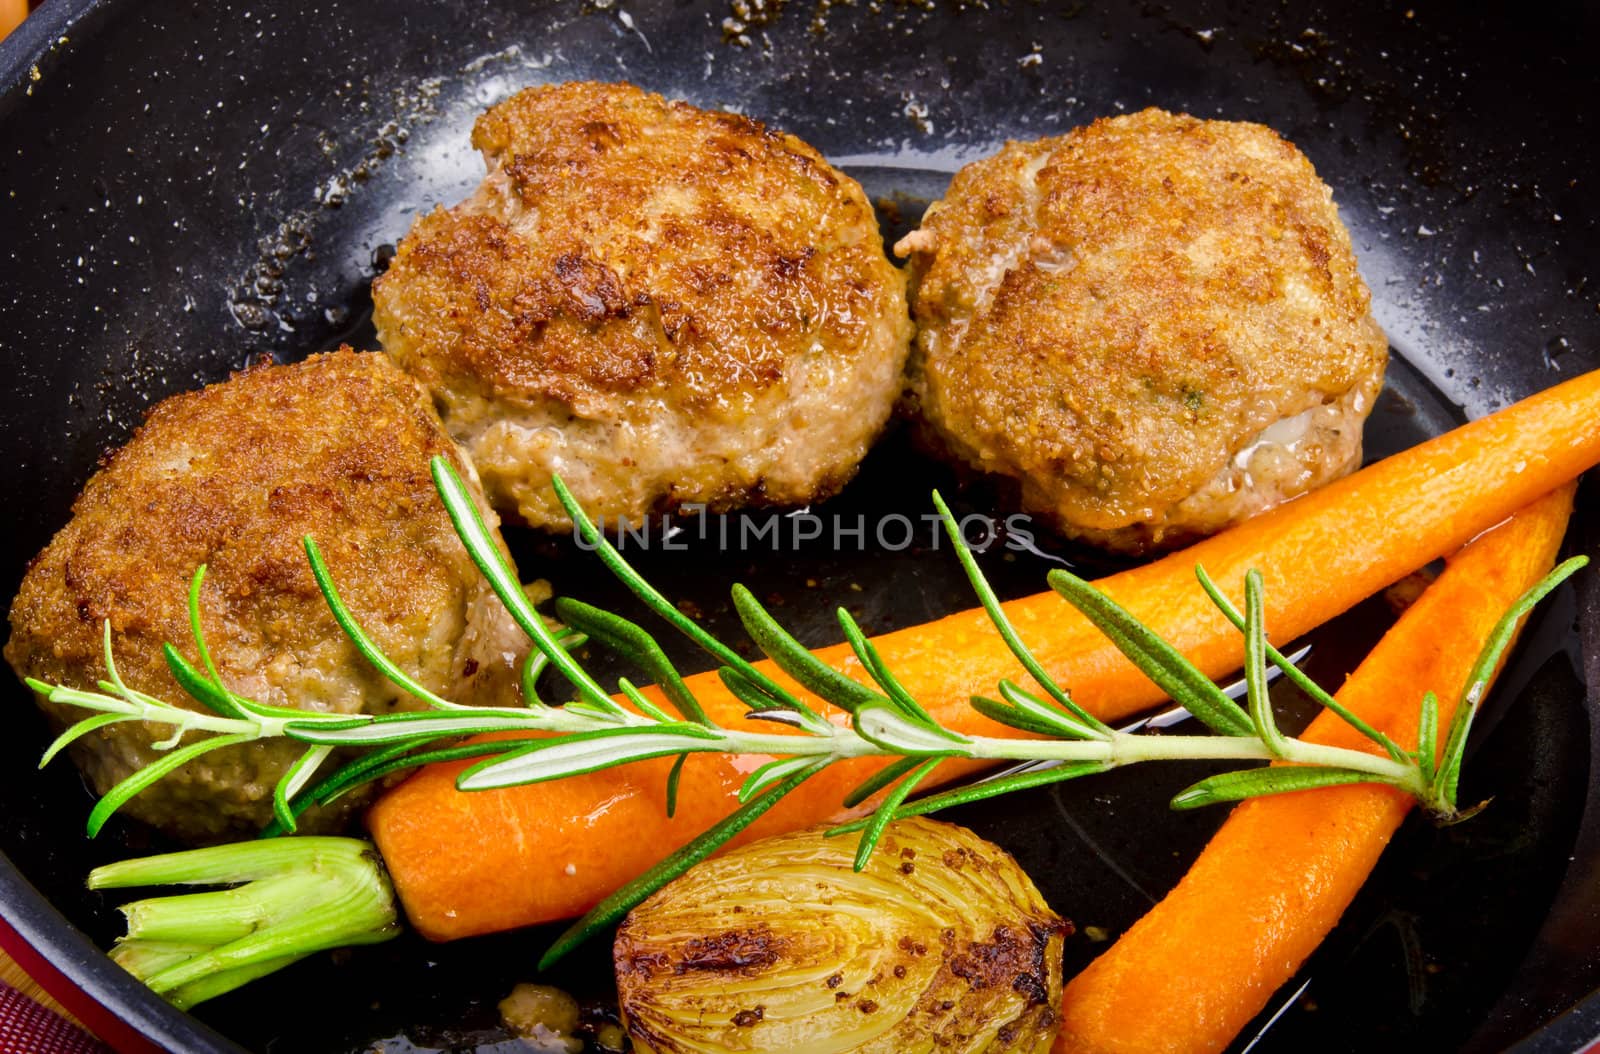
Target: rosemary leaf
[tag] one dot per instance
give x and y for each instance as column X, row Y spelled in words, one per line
column 212, row 694
column 887, row 728
column 118, row 796
column 630, row 641
column 1428, row 737
column 581, row 752
column 659, row 604
column 364, row 644
column 886, row 812
column 949, row 799
column 1448, row 774
column 1297, row 676
column 634, row 893
column 1002, row 623
column 1058, row 723
column 292, row 781
column 115, row 676
column 772, row 772
column 1158, row 660
column 1255, row 666
column 103, row 702
column 480, row 545
column 631, row 692
column 873, row 662
column 196, row 631
column 787, row 718
column 673, row 777
column 794, row 659
column 879, row 780
column 80, row 729
column 537, row 662
column 143, row 703
column 226, row 701
column 1256, row 783
column 198, row 686
column 410, row 758
column 609, row 714
column 378, row 764
column 344, row 730
column 1011, row 716
column 752, row 695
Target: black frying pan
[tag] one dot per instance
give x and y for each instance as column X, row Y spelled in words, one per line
column 184, row 188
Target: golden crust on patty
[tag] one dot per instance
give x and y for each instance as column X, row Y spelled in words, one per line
column 1116, row 316
column 232, row 477
column 648, row 290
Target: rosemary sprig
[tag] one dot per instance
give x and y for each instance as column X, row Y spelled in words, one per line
column 599, row 730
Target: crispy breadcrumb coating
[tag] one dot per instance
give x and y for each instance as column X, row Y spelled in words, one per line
column 663, row 304
column 1154, row 324
column 233, row 477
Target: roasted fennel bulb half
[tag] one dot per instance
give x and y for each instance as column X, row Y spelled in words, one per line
column 941, row 943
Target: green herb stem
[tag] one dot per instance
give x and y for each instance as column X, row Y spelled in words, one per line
column 302, row 894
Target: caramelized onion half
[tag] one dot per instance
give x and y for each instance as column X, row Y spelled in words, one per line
column 942, row 943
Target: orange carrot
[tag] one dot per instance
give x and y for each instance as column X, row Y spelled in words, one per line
column 12, row 12
column 491, row 860
column 1277, row 876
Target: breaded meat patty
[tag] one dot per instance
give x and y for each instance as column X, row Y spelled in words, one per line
column 1154, row 324
column 662, row 304
column 233, row 476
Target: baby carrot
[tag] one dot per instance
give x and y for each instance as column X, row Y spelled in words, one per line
column 1277, row 876
column 491, row 860
column 12, row 12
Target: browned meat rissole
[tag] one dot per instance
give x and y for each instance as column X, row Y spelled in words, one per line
column 665, row 305
column 233, row 476
column 1153, row 323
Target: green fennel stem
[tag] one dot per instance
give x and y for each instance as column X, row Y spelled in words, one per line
column 288, row 898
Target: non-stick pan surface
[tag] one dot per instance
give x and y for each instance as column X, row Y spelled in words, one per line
column 185, row 188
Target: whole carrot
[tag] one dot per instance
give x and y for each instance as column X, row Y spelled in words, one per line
column 1277, row 876
column 475, row 863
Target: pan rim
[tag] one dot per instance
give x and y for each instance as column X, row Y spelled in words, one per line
column 35, row 920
